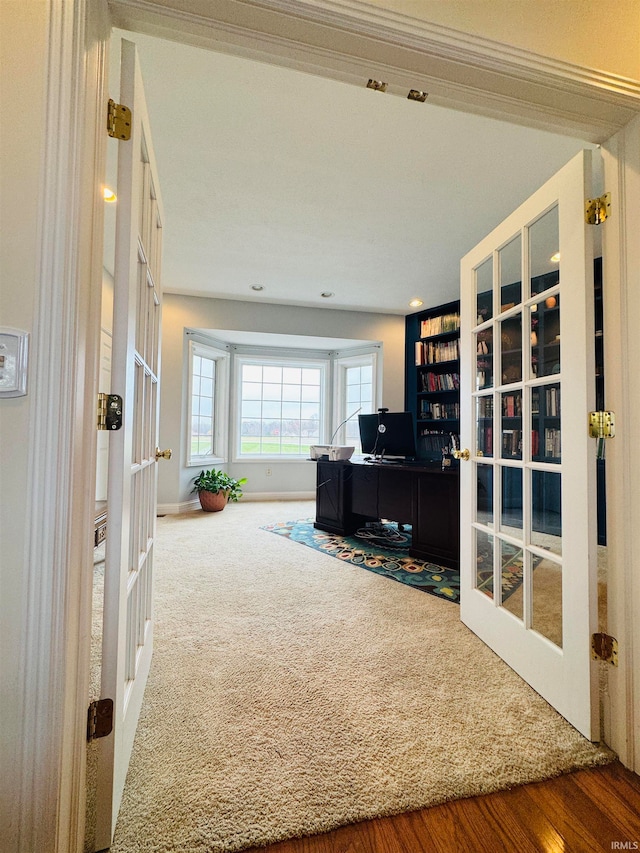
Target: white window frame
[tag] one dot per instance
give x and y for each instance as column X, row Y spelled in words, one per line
column 341, row 363
column 220, row 436
column 287, row 358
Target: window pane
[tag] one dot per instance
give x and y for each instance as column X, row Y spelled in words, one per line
column 274, row 421
column 292, row 375
column 271, row 391
column 251, row 391
column 353, row 375
column 510, row 273
column 271, row 409
column 311, row 393
column 252, row 373
column 291, row 392
column 207, row 367
column 291, row 410
column 202, row 406
column 484, row 562
column 251, row 409
column 272, row 374
column 484, row 290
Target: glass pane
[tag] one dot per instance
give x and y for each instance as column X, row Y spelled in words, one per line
column 546, row 510
column 271, row 374
column 484, row 425
column 547, row 599
column 544, row 242
column 484, row 290
column 511, row 443
column 511, row 274
column 545, row 336
column 511, row 577
column 484, row 562
column 292, row 375
column 546, row 430
column 484, row 359
column 511, row 520
column 291, row 393
column 484, row 495
column 511, row 349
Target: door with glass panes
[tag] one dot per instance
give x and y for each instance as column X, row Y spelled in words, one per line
column 528, row 513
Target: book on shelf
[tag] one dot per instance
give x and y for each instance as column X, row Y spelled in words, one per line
column 511, row 442
column 552, row 442
column 440, row 381
column 434, row 352
column 440, row 411
column 440, row 324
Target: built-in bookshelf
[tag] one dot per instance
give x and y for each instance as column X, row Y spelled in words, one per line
column 432, row 390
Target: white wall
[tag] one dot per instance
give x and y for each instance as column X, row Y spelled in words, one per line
column 603, row 34
column 23, row 47
column 180, row 312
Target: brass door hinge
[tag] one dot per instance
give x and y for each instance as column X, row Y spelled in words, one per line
column 598, row 209
column 604, row 647
column 118, row 120
column 109, row 411
column 99, row 719
column 602, row 424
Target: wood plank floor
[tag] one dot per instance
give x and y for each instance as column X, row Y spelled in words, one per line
column 583, row 812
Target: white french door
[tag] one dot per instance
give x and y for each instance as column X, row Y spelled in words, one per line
column 128, row 616
column 528, row 511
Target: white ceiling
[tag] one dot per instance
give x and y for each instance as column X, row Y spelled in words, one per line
column 302, row 184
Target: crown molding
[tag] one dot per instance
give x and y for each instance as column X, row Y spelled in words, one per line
column 458, row 46
column 351, row 41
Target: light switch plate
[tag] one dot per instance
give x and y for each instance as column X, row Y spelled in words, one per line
column 14, row 350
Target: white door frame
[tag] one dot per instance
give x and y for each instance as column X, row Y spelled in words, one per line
column 621, row 295
column 57, row 613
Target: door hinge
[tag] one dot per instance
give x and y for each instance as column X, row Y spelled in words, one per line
column 109, row 411
column 598, row 209
column 604, row 647
column 602, row 424
column 99, row 719
column 118, row 120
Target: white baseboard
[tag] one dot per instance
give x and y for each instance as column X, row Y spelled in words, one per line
column 194, row 503
column 177, row 508
column 279, row 496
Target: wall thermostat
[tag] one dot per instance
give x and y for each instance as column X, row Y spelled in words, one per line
column 14, row 349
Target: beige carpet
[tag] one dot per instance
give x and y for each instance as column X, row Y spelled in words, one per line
column 291, row 693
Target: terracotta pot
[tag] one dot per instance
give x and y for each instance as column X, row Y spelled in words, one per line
column 213, row 501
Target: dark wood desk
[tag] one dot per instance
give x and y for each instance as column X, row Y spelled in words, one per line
column 348, row 494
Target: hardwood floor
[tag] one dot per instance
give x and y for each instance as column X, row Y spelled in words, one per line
column 583, row 812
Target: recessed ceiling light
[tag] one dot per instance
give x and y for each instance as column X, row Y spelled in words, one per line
column 555, row 259
column 326, row 294
column 257, row 287
column 417, row 95
column 108, row 194
column 377, row 85
column 415, row 303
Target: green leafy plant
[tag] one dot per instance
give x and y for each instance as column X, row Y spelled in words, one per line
column 219, row 481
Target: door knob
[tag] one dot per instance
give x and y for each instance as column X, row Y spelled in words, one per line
column 162, row 454
column 462, row 454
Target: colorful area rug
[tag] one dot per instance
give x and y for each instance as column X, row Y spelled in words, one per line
column 512, row 569
column 382, row 549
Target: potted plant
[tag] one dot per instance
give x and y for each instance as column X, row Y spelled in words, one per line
column 216, row 488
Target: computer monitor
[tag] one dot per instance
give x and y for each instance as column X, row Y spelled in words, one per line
column 388, row 434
